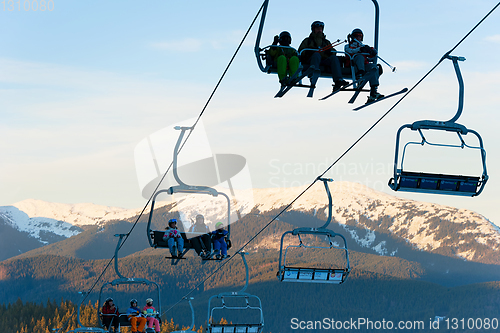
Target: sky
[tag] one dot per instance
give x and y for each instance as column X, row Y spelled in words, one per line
column 83, row 83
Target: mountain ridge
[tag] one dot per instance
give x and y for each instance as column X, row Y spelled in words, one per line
column 363, row 213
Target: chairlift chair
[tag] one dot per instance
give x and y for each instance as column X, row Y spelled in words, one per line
column 155, row 237
column 461, row 185
column 266, row 64
column 333, row 275
column 123, row 319
column 190, row 328
column 231, row 303
column 81, row 327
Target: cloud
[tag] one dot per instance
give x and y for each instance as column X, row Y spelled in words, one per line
column 493, row 38
column 185, row 45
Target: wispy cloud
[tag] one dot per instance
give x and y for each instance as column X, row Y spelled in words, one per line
column 184, row 45
column 493, row 38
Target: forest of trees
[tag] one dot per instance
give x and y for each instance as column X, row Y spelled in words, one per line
column 30, row 317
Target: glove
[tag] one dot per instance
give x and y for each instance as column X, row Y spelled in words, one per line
column 365, row 49
column 276, row 40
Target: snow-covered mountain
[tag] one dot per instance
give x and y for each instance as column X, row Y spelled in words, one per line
column 425, row 226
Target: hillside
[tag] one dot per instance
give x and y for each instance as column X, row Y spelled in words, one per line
column 392, row 296
column 369, row 217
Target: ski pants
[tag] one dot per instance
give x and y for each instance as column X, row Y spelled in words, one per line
column 359, row 64
column 142, row 324
column 153, row 320
column 220, row 244
column 283, row 63
column 332, row 62
column 180, row 244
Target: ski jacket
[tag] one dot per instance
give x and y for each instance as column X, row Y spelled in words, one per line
column 200, row 228
column 315, row 41
column 276, row 51
column 355, row 47
column 106, row 309
column 218, row 234
column 172, row 233
column 149, row 310
column 133, row 312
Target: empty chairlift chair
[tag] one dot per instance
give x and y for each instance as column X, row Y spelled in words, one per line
column 438, row 183
column 326, row 273
column 241, row 311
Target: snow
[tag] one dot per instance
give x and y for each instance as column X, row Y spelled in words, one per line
column 405, row 218
column 36, row 226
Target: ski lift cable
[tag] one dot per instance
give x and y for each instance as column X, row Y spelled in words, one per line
column 170, row 166
column 337, row 160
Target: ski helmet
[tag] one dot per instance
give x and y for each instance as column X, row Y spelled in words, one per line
column 172, row 221
column 219, row 225
column 285, row 34
column 317, row 24
column 357, row 31
column 132, row 301
column 149, row 300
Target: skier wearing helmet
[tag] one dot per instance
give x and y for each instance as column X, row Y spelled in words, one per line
column 173, row 236
column 218, row 238
column 135, row 317
column 285, row 58
column 362, row 58
column 150, row 313
column 317, row 40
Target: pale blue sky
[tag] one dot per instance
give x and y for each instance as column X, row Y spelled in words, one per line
column 82, row 85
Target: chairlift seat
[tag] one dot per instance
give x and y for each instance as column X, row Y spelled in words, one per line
column 436, row 183
column 235, row 328
column 158, row 241
column 313, row 275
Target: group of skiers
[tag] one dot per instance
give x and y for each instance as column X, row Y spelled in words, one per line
column 316, row 51
column 137, row 318
column 202, row 244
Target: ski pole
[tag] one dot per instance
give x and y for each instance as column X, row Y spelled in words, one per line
column 385, row 62
column 332, row 45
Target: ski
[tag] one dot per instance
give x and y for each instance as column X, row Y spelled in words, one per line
column 293, row 83
column 211, row 257
column 381, row 99
column 361, row 82
column 344, row 88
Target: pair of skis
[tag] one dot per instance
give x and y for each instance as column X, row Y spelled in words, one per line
column 294, row 82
